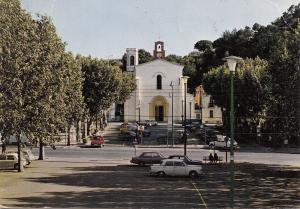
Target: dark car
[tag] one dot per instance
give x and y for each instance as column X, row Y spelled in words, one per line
column 128, row 136
column 146, row 133
column 192, row 121
column 148, row 158
column 207, row 134
column 186, row 159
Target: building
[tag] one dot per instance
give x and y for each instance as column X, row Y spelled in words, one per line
column 152, row 99
column 205, row 108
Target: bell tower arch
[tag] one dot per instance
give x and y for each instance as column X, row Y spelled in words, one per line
column 132, row 59
column 159, row 51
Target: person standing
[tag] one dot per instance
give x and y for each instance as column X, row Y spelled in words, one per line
column 3, row 146
column 216, row 157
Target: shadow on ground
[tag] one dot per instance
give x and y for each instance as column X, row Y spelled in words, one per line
column 256, row 186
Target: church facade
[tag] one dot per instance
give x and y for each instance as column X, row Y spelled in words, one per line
column 160, row 92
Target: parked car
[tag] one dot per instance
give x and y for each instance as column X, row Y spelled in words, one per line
column 148, row 158
column 192, row 121
column 146, row 132
column 132, row 127
column 97, row 140
column 10, row 161
column 150, row 123
column 221, row 142
column 207, row 134
column 128, row 136
column 123, row 127
column 186, row 159
column 175, row 167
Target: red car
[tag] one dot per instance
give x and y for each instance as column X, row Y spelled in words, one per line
column 97, row 140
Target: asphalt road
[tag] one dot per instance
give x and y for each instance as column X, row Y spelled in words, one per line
column 125, row 153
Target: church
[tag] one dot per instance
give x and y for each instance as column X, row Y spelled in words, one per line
column 160, row 89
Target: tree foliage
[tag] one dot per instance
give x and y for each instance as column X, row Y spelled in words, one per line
column 39, row 91
column 251, row 92
column 279, row 44
column 103, row 85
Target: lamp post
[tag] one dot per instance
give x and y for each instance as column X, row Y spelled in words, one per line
column 185, row 78
column 182, row 111
column 190, row 111
column 231, row 62
column 184, row 133
column 139, row 109
column 172, row 115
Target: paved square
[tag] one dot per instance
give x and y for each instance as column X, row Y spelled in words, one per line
column 96, row 184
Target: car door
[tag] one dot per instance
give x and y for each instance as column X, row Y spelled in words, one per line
column 146, row 158
column 10, row 161
column 179, row 168
column 3, row 162
column 156, row 158
column 169, row 168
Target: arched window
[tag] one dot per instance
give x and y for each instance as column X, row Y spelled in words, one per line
column 158, row 82
column 131, row 60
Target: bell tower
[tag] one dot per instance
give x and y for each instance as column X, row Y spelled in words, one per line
column 159, row 51
column 132, row 58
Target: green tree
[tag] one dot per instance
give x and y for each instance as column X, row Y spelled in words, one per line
column 101, row 86
column 284, row 68
column 144, row 56
column 74, row 98
column 128, row 85
column 251, row 91
column 32, row 74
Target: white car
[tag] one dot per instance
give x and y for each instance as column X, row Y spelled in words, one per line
column 10, row 161
column 175, row 167
column 151, row 123
column 221, row 142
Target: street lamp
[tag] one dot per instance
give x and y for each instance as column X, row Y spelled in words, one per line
column 139, row 109
column 190, row 111
column 231, row 62
column 185, row 78
column 172, row 115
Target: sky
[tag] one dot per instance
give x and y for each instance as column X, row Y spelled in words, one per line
column 105, row 28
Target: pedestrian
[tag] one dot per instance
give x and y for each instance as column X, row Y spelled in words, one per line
column 3, row 146
column 211, row 158
column 216, row 158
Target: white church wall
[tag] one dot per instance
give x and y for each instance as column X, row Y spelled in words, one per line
column 147, row 74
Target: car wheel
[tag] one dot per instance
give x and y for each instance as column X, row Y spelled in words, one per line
column 211, row 146
column 193, row 174
column 161, row 174
column 141, row 163
column 16, row 166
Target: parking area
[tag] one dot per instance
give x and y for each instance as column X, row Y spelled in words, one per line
column 116, row 184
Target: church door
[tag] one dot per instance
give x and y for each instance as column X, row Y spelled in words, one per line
column 159, row 113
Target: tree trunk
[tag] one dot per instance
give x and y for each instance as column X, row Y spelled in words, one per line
column 101, row 121
column 84, row 129
column 78, row 132
column 69, row 135
column 42, row 151
column 89, row 123
column 20, row 167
